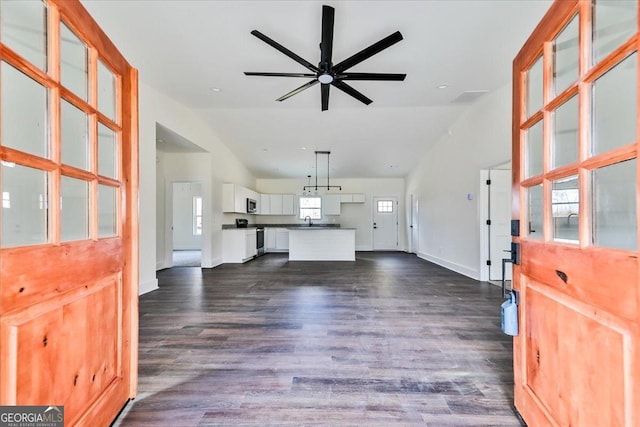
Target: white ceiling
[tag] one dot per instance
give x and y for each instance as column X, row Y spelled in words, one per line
column 185, row 48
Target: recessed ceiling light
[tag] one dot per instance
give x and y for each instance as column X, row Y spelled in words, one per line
column 215, row 89
column 303, row 148
column 443, row 86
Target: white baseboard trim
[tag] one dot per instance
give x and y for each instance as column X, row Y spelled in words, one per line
column 366, row 248
column 211, row 263
column 149, row 286
column 465, row 271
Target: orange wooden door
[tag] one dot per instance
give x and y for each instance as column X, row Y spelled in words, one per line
column 68, row 236
column 575, row 175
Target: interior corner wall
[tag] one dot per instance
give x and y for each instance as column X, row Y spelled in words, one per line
column 447, row 183
column 224, row 166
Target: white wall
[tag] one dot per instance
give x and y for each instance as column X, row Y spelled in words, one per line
column 353, row 215
column 221, row 163
column 449, row 224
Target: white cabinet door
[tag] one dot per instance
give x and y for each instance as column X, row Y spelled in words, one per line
column 288, row 205
column 270, row 238
column 282, row 239
column 358, row 198
column 265, row 204
column 250, row 244
column 346, row 198
column 276, row 204
column 331, row 204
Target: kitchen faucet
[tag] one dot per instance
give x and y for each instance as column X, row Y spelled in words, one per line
column 310, row 222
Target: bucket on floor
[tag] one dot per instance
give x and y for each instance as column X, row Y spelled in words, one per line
column 510, row 315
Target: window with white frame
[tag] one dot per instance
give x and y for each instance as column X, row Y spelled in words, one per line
column 310, row 206
column 6, row 200
column 197, row 216
column 385, row 206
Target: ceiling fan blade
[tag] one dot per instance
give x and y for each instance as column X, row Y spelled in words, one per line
column 286, row 51
column 351, row 91
column 372, row 76
column 325, row 96
column 326, row 45
column 248, row 73
column 368, row 52
column 298, row 90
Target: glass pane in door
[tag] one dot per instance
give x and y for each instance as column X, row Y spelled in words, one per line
column 614, row 106
column 107, row 218
column 75, row 144
column 534, row 199
column 565, row 206
column 24, row 206
column 107, row 153
column 107, row 89
column 23, row 27
column 24, row 112
column 564, row 149
column 534, row 88
column 534, row 150
column 614, row 22
column 565, row 57
column 73, row 62
column 614, row 206
column 74, row 209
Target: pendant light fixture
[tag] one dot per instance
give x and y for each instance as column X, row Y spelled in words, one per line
column 328, row 186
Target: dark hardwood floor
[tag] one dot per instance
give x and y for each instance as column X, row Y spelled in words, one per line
column 390, row 340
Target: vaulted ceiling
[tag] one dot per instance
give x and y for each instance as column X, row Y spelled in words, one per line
column 189, row 49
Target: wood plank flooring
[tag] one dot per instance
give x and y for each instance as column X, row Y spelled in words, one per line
column 390, row 340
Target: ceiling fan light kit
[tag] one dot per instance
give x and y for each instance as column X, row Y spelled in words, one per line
column 326, row 73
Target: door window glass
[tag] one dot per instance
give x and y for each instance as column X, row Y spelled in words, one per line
column 614, row 106
column 107, row 89
column 565, row 134
column 614, row 206
column 614, row 22
column 23, row 27
column 534, row 197
column 565, row 57
column 24, row 112
column 73, row 62
column 534, row 88
column 107, row 217
column 74, row 209
column 75, row 144
column 107, row 153
column 565, row 206
column 534, row 150
column 385, row 206
column 24, row 205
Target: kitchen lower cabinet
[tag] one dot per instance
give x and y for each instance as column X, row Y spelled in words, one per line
column 239, row 245
column 282, row 239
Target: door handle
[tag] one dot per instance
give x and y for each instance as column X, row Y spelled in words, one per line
column 375, row 226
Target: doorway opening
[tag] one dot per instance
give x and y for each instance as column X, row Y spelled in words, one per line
column 186, row 224
column 495, row 223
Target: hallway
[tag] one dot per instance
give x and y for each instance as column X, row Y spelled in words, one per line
column 390, row 340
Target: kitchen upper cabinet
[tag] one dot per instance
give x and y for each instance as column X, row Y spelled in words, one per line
column 351, row 198
column 288, row 205
column 276, row 204
column 234, row 198
column 265, row 204
column 331, row 204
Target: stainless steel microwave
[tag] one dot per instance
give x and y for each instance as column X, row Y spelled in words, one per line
column 252, row 206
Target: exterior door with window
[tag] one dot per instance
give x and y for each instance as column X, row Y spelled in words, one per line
column 575, row 187
column 68, row 233
column 385, row 223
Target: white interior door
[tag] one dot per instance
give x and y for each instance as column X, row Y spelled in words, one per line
column 500, row 228
column 385, row 223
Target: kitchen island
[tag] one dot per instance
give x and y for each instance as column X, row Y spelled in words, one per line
column 322, row 244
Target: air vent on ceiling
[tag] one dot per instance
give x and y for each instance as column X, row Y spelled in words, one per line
column 469, row 96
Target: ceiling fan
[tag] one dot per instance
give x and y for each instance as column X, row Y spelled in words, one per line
column 328, row 74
